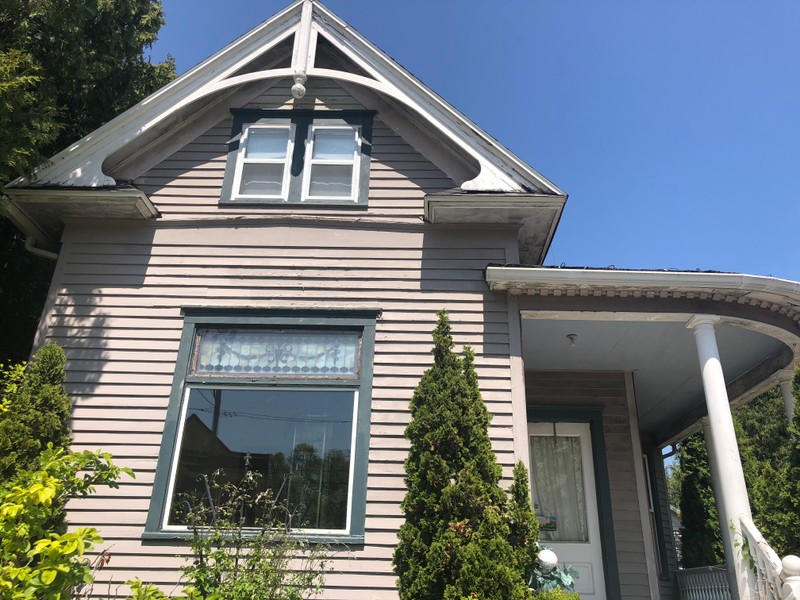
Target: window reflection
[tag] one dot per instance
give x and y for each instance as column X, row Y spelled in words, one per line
column 299, row 441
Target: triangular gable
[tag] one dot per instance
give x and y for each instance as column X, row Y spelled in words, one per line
column 262, row 56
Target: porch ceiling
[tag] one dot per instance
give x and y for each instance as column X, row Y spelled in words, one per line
column 661, row 355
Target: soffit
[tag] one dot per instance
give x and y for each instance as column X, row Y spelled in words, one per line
column 661, row 355
column 42, row 212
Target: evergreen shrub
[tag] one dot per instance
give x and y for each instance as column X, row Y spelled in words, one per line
column 34, row 410
column 463, row 537
column 701, row 540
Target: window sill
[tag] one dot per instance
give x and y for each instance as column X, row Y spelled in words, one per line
column 309, row 205
column 314, row 538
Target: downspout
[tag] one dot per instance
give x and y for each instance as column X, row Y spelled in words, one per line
column 31, row 247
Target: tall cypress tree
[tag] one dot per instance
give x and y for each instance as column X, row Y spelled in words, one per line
column 700, row 533
column 455, row 541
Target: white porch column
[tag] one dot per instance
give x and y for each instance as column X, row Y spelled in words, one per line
column 730, row 558
column 725, row 463
column 788, row 399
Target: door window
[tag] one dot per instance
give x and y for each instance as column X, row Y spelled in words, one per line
column 556, row 463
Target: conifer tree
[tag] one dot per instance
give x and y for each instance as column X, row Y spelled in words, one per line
column 770, row 454
column 700, row 529
column 34, row 410
column 523, row 523
column 765, row 446
column 455, row 541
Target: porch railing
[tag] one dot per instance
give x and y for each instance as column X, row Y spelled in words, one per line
column 775, row 579
column 769, row 577
column 704, row 583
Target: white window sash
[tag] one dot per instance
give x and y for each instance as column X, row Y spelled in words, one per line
column 309, row 162
column 242, row 160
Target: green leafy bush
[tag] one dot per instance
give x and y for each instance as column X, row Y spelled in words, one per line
column 235, row 561
column 557, row 594
column 263, row 560
column 35, row 561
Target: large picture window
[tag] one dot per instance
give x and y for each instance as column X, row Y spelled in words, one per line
column 314, row 157
column 285, row 397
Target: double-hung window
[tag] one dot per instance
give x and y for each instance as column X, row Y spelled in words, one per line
column 280, row 394
column 299, row 157
column 262, row 160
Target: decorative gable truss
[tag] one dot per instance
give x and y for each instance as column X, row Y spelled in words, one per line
column 302, row 42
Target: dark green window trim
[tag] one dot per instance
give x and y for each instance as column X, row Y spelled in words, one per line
column 194, row 318
column 594, row 416
column 302, row 120
column 666, row 547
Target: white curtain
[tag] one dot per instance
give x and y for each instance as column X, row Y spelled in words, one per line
column 558, row 488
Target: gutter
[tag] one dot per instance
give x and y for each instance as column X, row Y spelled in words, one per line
column 30, row 246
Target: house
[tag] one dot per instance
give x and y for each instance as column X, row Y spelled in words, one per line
column 249, row 265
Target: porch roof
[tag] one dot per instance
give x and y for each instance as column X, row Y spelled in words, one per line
column 627, row 320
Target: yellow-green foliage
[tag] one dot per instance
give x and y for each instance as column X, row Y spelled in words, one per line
column 558, row 594
column 35, row 561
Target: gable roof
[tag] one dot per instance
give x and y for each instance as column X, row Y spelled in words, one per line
column 304, row 24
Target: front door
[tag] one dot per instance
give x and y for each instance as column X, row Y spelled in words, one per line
column 564, row 496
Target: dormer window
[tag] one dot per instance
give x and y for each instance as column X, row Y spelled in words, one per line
column 262, row 167
column 299, row 157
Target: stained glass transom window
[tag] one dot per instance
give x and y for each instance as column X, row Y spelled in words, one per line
column 273, row 352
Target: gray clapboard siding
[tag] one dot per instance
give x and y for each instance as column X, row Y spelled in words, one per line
column 570, row 388
column 187, row 184
column 117, row 312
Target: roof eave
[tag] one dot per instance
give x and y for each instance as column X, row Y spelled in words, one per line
column 40, row 212
column 503, row 277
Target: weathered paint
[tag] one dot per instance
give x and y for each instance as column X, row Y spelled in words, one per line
column 117, row 312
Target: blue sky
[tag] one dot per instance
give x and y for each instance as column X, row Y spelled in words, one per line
column 673, row 126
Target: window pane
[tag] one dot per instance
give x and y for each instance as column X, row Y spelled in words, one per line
column 267, row 143
column 298, row 441
column 271, row 352
column 262, row 179
column 331, row 181
column 334, row 144
column 557, row 475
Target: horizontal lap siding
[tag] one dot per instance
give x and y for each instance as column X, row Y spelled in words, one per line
column 187, row 184
column 117, row 313
column 607, row 390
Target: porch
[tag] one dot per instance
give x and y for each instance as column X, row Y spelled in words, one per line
column 656, row 356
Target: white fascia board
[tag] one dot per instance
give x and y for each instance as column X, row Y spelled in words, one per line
column 28, row 226
column 437, row 203
column 62, row 203
column 501, row 278
column 136, row 198
column 80, row 164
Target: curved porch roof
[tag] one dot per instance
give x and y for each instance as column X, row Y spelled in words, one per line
column 626, row 320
